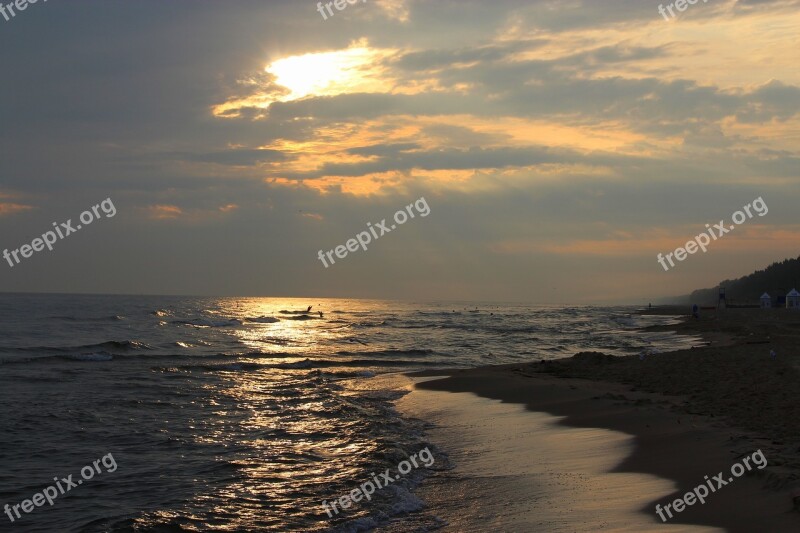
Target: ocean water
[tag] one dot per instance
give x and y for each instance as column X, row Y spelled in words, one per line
column 244, row 414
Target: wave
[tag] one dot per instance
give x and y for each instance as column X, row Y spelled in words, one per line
column 263, row 320
column 328, row 363
column 189, row 360
column 305, row 364
column 412, row 352
column 97, row 356
column 277, row 341
column 303, row 317
column 344, row 374
column 355, row 339
column 102, row 356
column 266, row 355
column 235, row 366
column 471, row 327
column 208, row 323
column 125, row 346
column 72, row 318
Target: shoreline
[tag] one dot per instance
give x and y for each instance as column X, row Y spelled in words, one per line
column 690, row 413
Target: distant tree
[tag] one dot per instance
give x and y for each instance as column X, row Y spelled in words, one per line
column 778, row 278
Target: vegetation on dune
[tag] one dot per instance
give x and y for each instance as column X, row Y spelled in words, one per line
column 777, row 279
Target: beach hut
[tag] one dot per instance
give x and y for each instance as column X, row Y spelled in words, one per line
column 793, row 299
column 766, row 301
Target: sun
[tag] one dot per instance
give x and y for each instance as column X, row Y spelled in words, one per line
column 328, row 73
column 357, row 69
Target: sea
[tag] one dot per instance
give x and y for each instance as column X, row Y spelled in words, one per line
column 177, row 414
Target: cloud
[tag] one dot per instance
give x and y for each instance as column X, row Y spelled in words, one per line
column 234, row 157
column 163, row 212
column 556, row 142
column 10, row 208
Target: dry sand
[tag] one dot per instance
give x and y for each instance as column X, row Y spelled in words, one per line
column 665, row 422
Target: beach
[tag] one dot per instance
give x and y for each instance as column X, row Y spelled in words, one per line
column 601, row 439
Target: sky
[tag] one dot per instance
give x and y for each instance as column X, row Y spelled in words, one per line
column 560, row 146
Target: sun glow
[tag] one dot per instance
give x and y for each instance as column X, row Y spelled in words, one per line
column 328, row 73
column 357, row 69
column 311, row 73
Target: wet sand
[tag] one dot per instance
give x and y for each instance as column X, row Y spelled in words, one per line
column 604, row 439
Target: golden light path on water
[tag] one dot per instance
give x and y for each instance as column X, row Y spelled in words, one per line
column 280, row 420
column 293, row 332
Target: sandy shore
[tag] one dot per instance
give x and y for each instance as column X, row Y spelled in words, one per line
column 664, row 422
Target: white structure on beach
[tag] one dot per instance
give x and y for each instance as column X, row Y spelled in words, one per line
column 766, row 301
column 793, row 299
